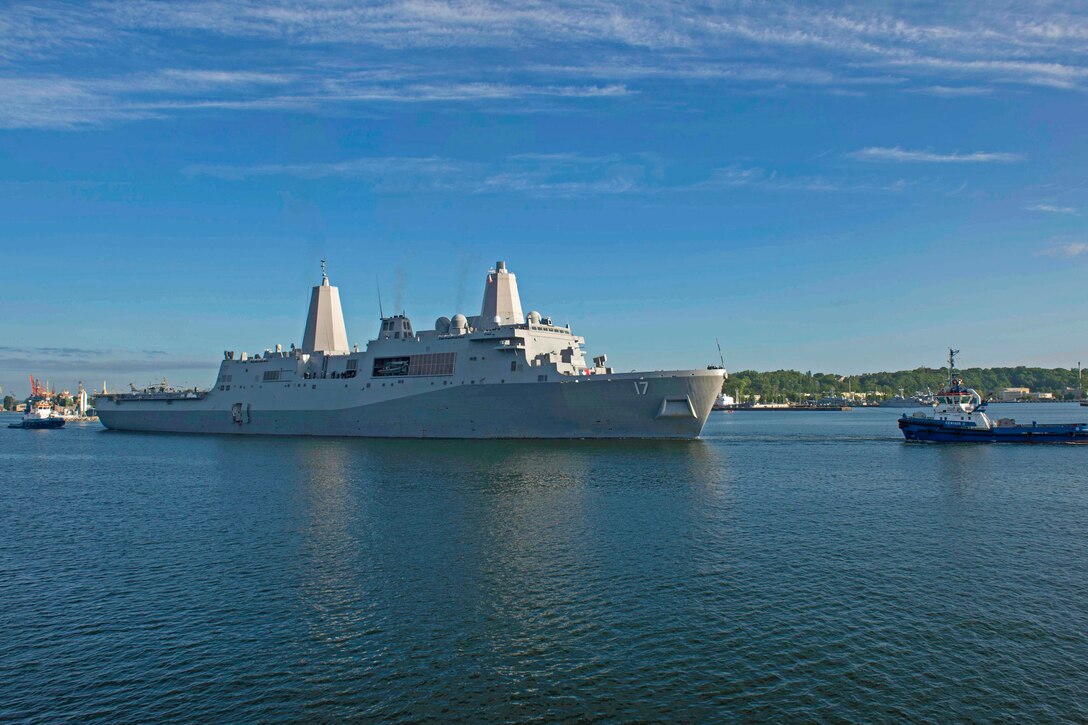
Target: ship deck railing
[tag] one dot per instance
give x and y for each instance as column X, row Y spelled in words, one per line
column 165, row 395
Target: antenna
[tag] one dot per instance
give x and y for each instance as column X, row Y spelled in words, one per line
column 952, row 366
column 324, row 274
column 377, row 284
column 720, row 356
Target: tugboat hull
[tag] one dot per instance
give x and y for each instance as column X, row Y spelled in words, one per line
column 41, row 424
column 916, row 429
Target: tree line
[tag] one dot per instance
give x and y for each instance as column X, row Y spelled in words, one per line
column 781, row 385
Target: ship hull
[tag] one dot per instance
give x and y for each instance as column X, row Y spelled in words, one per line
column 39, row 424
column 937, row 432
column 650, row 405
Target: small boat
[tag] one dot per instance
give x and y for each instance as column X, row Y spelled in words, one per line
column 724, row 402
column 39, row 415
column 959, row 416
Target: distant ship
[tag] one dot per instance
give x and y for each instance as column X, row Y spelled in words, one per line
column 959, row 416
column 499, row 374
column 903, row 401
column 724, row 402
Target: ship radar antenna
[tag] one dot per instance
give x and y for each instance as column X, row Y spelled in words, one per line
column 952, row 366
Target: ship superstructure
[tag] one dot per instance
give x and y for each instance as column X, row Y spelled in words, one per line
column 499, row 374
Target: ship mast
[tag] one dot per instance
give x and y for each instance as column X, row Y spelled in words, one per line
column 952, row 367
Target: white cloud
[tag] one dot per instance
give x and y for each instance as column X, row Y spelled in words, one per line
column 307, row 54
column 1051, row 209
column 543, row 175
column 737, row 176
column 1068, row 251
column 954, row 91
column 1053, row 74
column 539, row 174
column 390, row 175
column 57, row 103
column 61, row 103
column 897, row 154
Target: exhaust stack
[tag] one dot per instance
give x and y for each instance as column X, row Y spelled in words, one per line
column 325, row 330
column 502, row 305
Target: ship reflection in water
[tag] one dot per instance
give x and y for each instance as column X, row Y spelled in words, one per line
column 513, row 532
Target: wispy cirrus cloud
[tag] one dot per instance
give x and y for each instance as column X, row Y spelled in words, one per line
column 900, row 155
column 56, row 102
column 954, row 91
column 1067, row 250
column 393, row 173
column 736, row 176
column 1028, row 72
column 1051, row 208
column 315, row 56
column 59, row 102
column 543, row 175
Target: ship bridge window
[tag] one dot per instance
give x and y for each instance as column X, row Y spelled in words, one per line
column 435, row 363
column 391, row 366
column 270, row 375
column 353, row 364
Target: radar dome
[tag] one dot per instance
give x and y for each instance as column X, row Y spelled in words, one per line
column 442, row 325
column 459, row 323
column 534, row 317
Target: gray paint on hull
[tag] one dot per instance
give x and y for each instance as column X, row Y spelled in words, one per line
column 603, row 408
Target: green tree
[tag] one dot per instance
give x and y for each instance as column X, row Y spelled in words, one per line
column 795, row 385
column 9, row 402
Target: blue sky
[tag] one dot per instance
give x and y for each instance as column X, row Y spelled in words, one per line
column 822, row 186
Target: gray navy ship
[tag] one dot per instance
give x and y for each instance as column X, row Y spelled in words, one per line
column 500, row 374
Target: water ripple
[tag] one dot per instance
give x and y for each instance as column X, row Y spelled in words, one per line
column 780, row 569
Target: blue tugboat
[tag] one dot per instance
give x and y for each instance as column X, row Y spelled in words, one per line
column 39, row 415
column 959, row 416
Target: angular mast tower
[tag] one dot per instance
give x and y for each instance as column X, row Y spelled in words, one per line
column 325, row 331
column 501, row 299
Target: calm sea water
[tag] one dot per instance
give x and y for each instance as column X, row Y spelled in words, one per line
column 788, row 566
